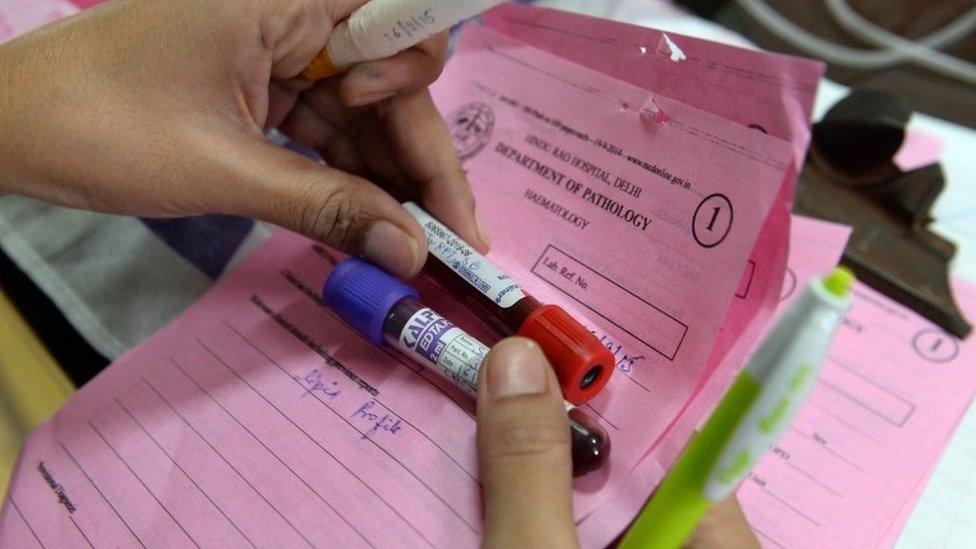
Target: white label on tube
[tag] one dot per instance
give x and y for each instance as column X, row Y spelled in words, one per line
column 473, row 267
column 436, row 343
column 381, row 28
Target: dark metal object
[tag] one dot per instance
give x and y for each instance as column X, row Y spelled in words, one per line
column 850, row 178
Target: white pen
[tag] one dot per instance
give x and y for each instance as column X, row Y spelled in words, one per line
column 382, row 28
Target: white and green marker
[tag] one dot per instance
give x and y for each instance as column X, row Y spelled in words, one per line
column 749, row 419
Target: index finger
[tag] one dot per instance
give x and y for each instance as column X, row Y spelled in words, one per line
column 423, row 147
column 407, row 71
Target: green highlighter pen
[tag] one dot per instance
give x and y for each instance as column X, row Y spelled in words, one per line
column 750, row 417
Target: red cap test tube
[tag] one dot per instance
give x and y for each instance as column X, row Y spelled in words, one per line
column 582, row 363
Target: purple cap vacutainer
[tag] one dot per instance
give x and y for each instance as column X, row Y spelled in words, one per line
column 363, row 294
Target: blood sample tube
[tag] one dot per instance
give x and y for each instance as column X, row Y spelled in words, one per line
column 582, row 363
column 388, row 312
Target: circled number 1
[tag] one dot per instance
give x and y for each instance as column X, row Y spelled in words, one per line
column 711, row 224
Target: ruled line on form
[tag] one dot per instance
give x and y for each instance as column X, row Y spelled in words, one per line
column 771, row 540
column 272, row 453
column 26, row 522
column 138, row 478
column 814, row 479
column 182, row 470
column 375, row 398
column 224, row 459
column 100, row 493
column 824, row 446
column 607, row 421
column 842, row 421
column 790, row 506
column 80, row 531
column 344, row 420
column 320, row 446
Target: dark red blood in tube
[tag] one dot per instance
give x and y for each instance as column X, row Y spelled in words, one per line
column 582, row 364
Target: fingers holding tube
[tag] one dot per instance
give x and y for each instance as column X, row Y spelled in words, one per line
column 346, row 211
column 524, row 450
column 406, row 142
column 423, row 147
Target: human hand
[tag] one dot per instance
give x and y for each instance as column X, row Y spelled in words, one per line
column 525, row 463
column 524, row 450
column 159, row 107
column 724, row 527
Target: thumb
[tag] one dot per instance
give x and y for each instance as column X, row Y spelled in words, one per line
column 524, row 450
column 326, row 204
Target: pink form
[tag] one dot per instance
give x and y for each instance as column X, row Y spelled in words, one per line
column 854, row 462
column 767, row 92
column 623, row 225
column 19, row 16
column 815, row 248
column 851, row 468
column 258, row 418
column 739, row 85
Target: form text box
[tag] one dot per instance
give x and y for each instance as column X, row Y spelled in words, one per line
column 631, row 313
column 864, row 392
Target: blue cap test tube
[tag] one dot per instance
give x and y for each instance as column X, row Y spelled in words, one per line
column 388, row 312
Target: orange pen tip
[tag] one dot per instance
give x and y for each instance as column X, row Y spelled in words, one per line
column 321, row 67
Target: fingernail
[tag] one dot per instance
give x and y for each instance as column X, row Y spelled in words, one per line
column 482, row 232
column 517, row 367
column 368, row 98
column 391, row 248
